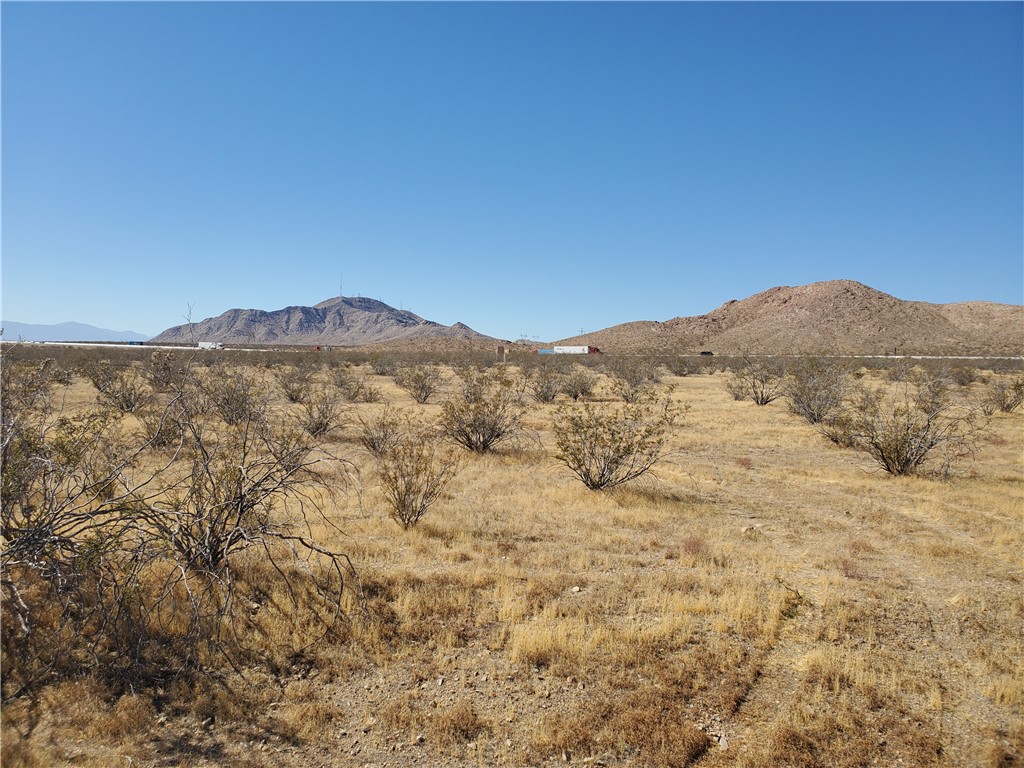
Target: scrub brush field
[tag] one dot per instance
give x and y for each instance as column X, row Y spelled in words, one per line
column 766, row 593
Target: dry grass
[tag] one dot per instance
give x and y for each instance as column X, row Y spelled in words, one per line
column 767, row 599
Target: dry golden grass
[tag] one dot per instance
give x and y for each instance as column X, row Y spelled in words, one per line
column 766, row 599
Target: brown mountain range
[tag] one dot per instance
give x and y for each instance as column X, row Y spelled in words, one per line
column 835, row 317
column 341, row 321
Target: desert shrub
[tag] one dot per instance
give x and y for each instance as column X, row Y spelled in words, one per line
column 121, row 388
column 816, row 388
column 633, row 378
column 838, row 427
column 899, row 371
column 121, row 563
column 224, row 502
column 165, row 371
column 321, row 411
column 61, row 375
column 68, row 550
column 295, row 382
column 579, row 383
column 55, row 468
column 724, row 363
column 910, row 425
column 545, row 383
column 605, row 446
column 487, row 410
column 354, row 387
column 127, row 391
column 931, row 388
column 23, row 384
column 420, row 381
column 236, row 395
column 963, row 375
column 1004, row 395
column 760, row 379
column 682, row 365
column 98, row 370
column 414, row 472
column 26, row 376
column 381, row 431
column 384, row 365
column 161, row 425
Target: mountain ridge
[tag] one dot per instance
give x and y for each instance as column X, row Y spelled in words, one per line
column 828, row 317
column 834, row 316
column 340, row 321
column 70, row 331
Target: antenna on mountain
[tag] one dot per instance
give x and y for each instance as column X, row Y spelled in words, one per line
column 341, row 284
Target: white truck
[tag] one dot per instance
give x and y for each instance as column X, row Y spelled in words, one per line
column 210, row 345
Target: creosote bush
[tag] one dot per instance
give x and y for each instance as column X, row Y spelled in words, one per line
column 904, row 428
column 963, row 375
column 384, row 365
column 235, row 394
column 295, row 382
column 321, row 411
column 760, row 379
column 487, row 410
column 1005, row 395
column 579, row 383
column 545, row 383
column 606, row 446
column 420, row 381
column 816, row 388
column 682, row 365
column 633, row 378
column 165, row 371
column 121, row 388
column 414, row 472
column 355, row 387
column 162, row 425
column 382, row 430
column 125, row 562
column 24, row 384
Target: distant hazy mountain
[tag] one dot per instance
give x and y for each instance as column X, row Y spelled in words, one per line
column 339, row 321
column 836, row 316
column 13, row 331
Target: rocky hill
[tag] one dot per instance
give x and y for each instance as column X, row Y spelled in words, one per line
column 837, row 317
column 340, row 321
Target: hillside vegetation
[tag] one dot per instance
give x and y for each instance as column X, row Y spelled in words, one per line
column 764, row 595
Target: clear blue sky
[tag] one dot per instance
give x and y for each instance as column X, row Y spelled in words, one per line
column 525, row 168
